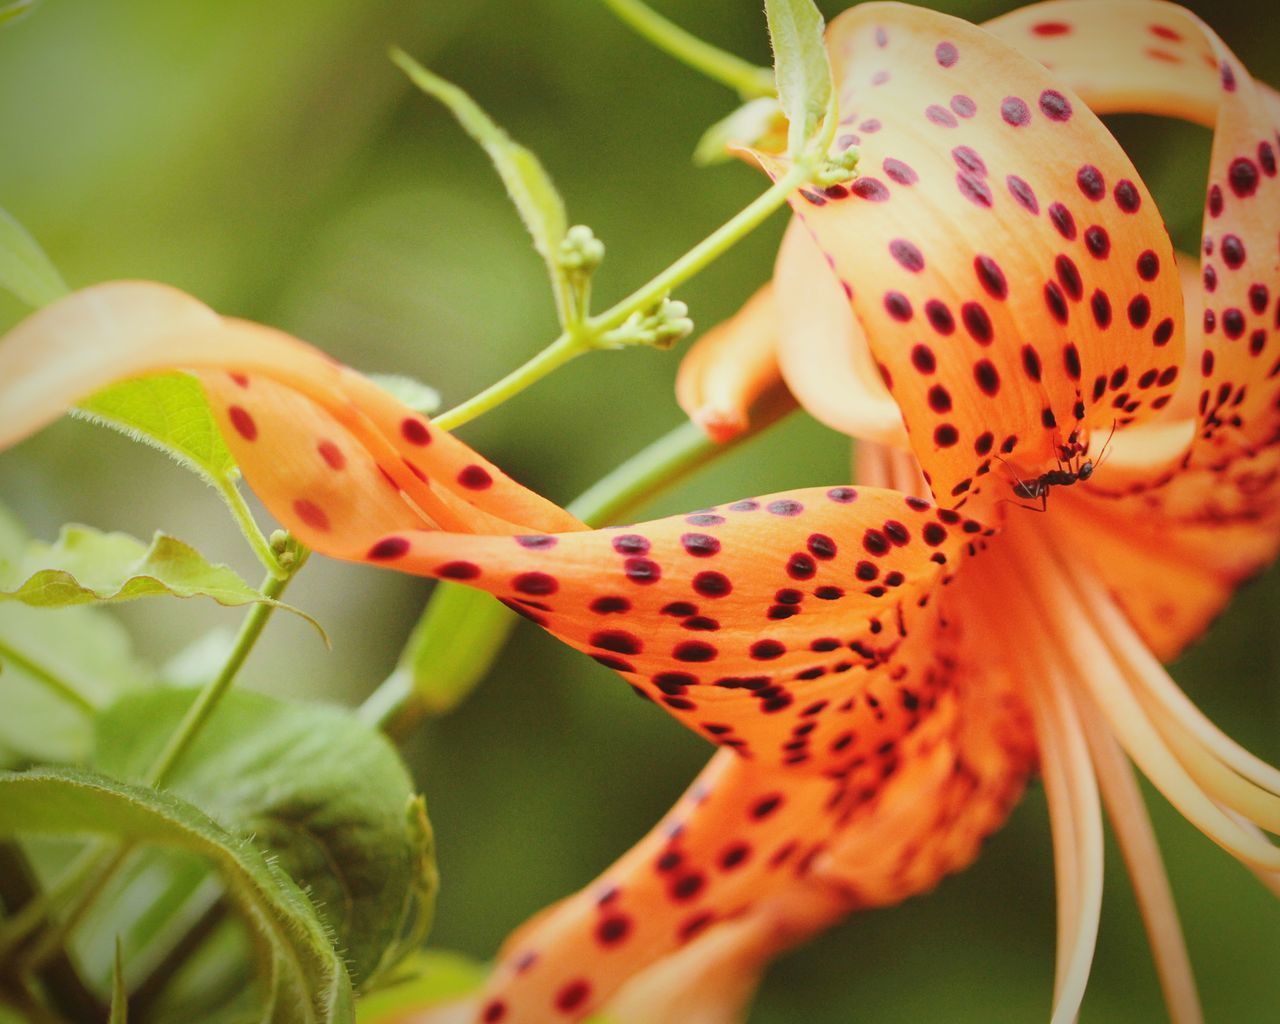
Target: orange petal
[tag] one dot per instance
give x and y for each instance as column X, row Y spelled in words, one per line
column 1174, row 535
column 336, row 459
column 765, row 625
column 1006, row 263
column 751, row 861
column 822, row 348
column 731, row 368
column 1161, row 59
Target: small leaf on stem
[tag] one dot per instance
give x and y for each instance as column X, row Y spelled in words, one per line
column 85, row 566
column 801, row 67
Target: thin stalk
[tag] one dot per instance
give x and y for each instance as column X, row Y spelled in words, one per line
column 708, row 250
column 563, row 350
column 748, row 80
column 571, row 344
column 213, row 691
column 56, row 685
column 240, row 512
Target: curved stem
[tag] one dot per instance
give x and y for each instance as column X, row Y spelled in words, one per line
column 564, row 349
column 714, row 245
column 574, row 343
column 55, row 684
column 745, row 78
column 239, row 509
column 208, row 698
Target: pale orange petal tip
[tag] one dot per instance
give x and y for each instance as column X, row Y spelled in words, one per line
column 732, row 370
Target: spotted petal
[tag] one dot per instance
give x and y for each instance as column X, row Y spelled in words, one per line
column 795, row 628
column 1007, row 265
column 1160, row 59
column 752, row 861
column 335, row 458
column 1191, row 507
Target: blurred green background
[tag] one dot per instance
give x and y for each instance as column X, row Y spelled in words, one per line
column 268, row 158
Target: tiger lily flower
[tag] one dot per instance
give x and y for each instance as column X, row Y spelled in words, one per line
column 993, row 301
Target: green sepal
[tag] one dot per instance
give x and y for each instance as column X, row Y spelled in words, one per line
column 758, row 124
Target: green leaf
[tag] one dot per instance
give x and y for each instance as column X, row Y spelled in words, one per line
column 24, row 268
column 801, row 67
column 309, row 982
column 119, row 994
column 86, row 566
column 169, row 412
column 527, row 182
column 325, row 796
column 417, row 396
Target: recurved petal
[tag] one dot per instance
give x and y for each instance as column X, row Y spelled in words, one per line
column 1159, row 58
column 732, row 368
column 822, row 348
column 994, row 247
column 796, row 628
column 335, row 458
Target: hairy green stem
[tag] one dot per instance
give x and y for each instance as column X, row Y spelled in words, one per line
column 239, row 509
column 572, row 344
column 56, row 685
column 213, row 692
column 747, row 79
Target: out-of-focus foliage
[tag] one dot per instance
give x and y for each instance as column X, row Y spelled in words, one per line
column 270, row 159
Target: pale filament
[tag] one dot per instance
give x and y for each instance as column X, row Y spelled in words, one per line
column 1070, row 786
column 1102, row 671
column 1132, row 825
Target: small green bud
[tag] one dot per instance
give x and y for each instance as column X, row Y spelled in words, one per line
column 289, row 552
column 580, row 252
column 659, row 326
column 838, row 169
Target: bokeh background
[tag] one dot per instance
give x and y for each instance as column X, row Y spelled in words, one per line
column 268, row 158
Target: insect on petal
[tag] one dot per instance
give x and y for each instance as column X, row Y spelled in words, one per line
column 991, row 245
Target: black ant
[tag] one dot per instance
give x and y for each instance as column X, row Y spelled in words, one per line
column 1072, row 466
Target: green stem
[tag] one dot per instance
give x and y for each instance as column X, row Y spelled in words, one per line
column 230, row 494
column 748, row 80
column 213, row 692
column 564, row 349
column 708, row 250
column 650, row 471
column 572, row 344
column 58, row 686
